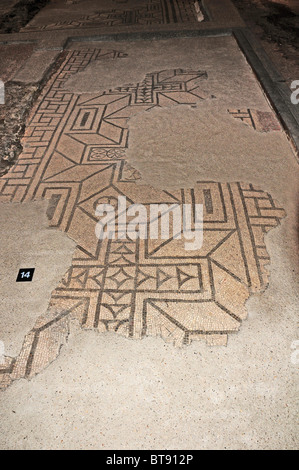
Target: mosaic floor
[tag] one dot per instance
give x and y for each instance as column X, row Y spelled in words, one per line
column 75, row 157
column 125, row 13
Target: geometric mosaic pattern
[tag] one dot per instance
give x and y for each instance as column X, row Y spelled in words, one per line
column 262, row 121
column 149, row 12
column 75, row 156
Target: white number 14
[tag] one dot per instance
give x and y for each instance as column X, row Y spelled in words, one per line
column 25, row 274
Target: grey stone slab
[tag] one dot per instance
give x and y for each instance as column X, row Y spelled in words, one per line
column 277, row 91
